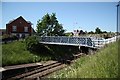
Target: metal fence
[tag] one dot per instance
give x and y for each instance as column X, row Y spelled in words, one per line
column 86, row 41
column 79, row 41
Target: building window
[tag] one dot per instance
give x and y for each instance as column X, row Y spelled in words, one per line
column 25, row 29
column 14, row 28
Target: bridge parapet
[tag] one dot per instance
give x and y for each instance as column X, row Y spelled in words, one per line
column 78, row 41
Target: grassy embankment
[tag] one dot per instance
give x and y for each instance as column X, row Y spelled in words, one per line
column 16, row 53
column 103, row 64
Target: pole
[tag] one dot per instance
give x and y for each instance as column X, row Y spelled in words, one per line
column 117, row 19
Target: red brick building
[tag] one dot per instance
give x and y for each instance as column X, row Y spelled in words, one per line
column 19, row 27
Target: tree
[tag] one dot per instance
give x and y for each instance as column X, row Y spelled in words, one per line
column 98, row 31
column 104, row 31
column 43, row 25
column 49, row 26
column 81, row 32
column 91, row 32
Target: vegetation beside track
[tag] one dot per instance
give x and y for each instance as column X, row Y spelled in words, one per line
column 103, row 64
column 16, row 53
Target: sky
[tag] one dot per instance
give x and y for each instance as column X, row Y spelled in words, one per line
column 73, row 15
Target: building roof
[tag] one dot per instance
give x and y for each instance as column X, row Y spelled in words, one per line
column 18, row 18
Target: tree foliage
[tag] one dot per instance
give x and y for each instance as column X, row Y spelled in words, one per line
column 81, row 32
column 91, row 32
column 98, row 30
column 49, row 26
column 31, row 43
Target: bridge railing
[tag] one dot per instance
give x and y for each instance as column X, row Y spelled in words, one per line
column 86, row 41
column 79, row 41
column 102, row 42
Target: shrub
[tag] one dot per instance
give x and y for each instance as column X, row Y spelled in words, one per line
column 14, row 38
column 5, row 36
column 31, row 43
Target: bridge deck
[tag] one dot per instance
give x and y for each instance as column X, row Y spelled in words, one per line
column 66, row 44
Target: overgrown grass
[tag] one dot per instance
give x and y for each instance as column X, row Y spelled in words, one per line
column 16, row 53
column 103, row 64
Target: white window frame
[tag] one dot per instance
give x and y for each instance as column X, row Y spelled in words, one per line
column 14, row 28
column 26, row 29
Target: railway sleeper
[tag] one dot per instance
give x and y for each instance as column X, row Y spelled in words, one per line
column 46, row 67
column 44, row 73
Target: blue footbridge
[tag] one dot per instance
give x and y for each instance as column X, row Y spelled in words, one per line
column 82, row 41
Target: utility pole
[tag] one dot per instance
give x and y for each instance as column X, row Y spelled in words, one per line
column 118, row 19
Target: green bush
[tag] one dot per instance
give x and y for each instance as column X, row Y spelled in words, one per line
column 5, row 36
column 31, row 43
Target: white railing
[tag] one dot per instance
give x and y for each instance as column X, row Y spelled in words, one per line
column 102, row 42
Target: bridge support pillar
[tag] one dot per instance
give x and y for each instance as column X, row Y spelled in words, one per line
column 79, row 47
column 90, row 51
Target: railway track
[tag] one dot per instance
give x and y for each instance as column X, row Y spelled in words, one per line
column 43, row 70
column 40, row 71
